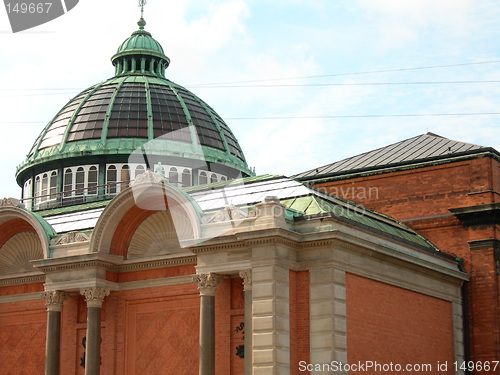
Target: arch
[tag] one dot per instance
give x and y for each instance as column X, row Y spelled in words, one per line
column 18, row 251
column 129, row 209
column 14, row 220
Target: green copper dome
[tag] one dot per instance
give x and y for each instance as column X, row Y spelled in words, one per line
column 137, row 109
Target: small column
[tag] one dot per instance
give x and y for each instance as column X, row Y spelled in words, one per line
column 247, row 288
column 94, row 297
column 207, row 284
column 54, row 301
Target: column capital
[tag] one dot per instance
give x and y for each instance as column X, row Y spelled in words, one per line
column 246, row 275
column 54, row 299
column 207, row 283
column 94, row 296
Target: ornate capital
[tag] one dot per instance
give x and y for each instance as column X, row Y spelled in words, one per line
column 207, row 283
column 94, row 296
column 247, row 279
column 54, row 299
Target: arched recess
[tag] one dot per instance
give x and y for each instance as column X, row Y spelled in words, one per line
column 14, row 220
column 125, row 214
column 17, row 253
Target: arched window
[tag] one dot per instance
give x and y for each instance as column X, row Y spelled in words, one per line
column 53, row 186
column 45, row 186
column 139, row 170
column 125, row 177
column 173, row 176
column 68, row 182
column 223, row 178
column 92, row 180
column 111, row 179
column 213, row 178
column 80, row 181
column 38, row 189
column 203, row 178
column 186, row 177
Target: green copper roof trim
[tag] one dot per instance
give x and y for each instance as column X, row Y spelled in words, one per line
column 47, row 228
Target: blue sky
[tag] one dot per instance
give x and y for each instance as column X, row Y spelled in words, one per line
column 300, row 83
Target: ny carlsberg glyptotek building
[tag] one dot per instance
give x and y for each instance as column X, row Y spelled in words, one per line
column 144, row 244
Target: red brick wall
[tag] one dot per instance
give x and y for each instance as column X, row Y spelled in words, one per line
column 299, row 320
column 421, row 198
column 23, row 326
column 390, row 324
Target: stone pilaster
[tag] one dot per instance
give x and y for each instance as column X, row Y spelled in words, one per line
column 94, row 297
column 247, row 287
column 54, row 301
column 207, row 285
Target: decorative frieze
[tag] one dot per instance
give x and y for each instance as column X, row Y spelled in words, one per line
column 228, row 213
column 207, row 283
column 70, row 237
column 94, row 296
column 54, row 299
column 148, row 177
column 11, row 202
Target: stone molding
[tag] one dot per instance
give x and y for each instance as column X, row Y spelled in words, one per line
column 207, row 283
column 247, row 280
column 54, row 299
column 11, row 202
column 228, row 213
column 148, row 177
column 70, row 237
column 94, row 296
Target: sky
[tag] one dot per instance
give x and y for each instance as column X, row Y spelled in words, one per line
column 301, row 83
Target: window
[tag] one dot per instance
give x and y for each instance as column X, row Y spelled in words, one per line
column 213, row 178
column 139, row 170
column 38, row 188
column 203, row 178
column 68, row 182
column 45, row 185
column 173, row 176
column 125, row 177
column 111, row 179
column 80, row 181
column 53, row 186
column 186, row 177
column 92, row 181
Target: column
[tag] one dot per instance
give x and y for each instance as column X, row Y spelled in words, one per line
column 247, row 288
column 207, row 284
column 54, row 301
column 94, row 297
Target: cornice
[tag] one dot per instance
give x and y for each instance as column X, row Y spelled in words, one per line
column 22, row 279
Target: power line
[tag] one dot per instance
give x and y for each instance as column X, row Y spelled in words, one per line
column 356, row 73
column 364, row 116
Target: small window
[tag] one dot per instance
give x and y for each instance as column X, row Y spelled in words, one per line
column 173, row 176
column 213, row 178
column 111, row 179
column 68, row 182
column 53, row 186
column 139, row 170
column 80, row 181
column 92, row 178
column 203, row 178
column 125, row 177
column 186, row 177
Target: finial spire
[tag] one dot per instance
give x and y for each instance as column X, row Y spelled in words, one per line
column 141, row 22
column 141, row 5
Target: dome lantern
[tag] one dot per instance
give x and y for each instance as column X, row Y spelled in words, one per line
column 140, row 54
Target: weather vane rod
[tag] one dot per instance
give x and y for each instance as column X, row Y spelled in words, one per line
column 141, row 5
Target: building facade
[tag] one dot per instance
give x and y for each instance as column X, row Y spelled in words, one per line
column 144, row 244
column 448, row 192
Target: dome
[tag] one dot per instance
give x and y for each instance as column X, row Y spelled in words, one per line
column 137, row 112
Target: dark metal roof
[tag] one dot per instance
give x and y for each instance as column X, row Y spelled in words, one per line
column 422, row 147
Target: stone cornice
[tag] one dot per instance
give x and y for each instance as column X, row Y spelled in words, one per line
column 19, row 279
column 483, row 214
